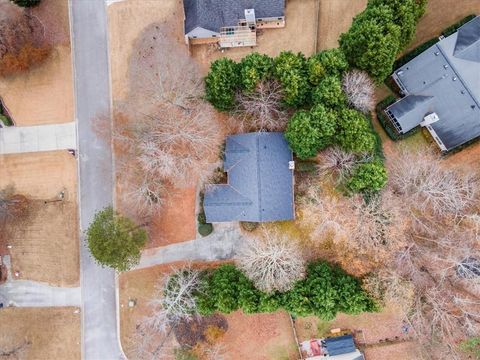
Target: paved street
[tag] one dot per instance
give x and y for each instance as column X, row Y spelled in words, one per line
column 92, row 94
column 15, row 139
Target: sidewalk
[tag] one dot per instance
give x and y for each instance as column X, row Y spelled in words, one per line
column 15, row 139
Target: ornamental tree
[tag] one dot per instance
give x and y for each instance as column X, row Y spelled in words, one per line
column 368, row 177
column 221, row 84
column 114, row 240
column 290, row 70
column 354, row 133
column 254, row 68
column 302, row 135
column 372, row 42
column 329, row 93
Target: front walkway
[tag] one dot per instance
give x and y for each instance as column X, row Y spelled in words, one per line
column 23, row 139
column 220, row 245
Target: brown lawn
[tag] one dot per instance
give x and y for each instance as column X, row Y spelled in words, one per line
column 44, row 247
column 44, row 95
column 335, row 18
column 259, row 337
column 176, row 221
column 52, row 333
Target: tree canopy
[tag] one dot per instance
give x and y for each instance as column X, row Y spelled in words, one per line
column 26, row 3
column 368, row 177
column 254, row 68
column 221, row 84
column 329, row 92
column 290, row 70
column 302, row 135
column 114, row 240
column 355, row 133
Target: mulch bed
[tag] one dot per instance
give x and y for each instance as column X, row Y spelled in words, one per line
column 190, row 332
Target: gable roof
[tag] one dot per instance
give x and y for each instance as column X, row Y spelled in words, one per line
column 340, row 345
column 260, row 183
column 214, row 14
column 467, row 46
column 453, row 82
column 411, row 109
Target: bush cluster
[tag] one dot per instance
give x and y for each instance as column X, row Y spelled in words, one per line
column 380, row 33
column 324, row 292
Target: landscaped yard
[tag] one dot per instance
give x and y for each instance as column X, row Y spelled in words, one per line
column 44, row 333
column 256, row 337
column 44, row 95
column 45, row 246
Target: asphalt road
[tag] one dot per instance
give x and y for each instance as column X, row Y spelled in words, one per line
column 92, row 96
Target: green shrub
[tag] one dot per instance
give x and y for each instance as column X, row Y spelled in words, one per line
column 325, row 122
column 290, row 70
column 26, row 3
column 368, row 177
column 302, row 135
column 329, row 92
column 325, row 291
column 254, row 68
column 205, row 229
column 330, row 62
column 249, row 226
column 221, row 83
column 355, row 133
column 5, row 120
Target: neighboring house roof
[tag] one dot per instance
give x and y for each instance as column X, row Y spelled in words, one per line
column 260, row 183
column 214, row 14
column 340, row 345
column 448, row 72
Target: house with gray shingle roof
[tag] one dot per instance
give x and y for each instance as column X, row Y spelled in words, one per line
column 230, row 23
column 442, row 89
column 260, row 180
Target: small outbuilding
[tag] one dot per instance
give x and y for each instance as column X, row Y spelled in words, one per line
column 260, row 181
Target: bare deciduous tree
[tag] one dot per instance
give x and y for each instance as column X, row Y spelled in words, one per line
column 262, row 109
column 360, row 90
column 420, row 178
column 273, row 262
column 165, row 134
column 338, row 162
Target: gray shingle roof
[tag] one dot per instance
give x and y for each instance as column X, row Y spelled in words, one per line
column 340, row 345
column 411, row 110
column 467, row 46
column 214, row 14
column 454, row 84
column 260, row 183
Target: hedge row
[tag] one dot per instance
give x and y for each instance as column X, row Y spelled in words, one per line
column 386, row 124
column 451, row 29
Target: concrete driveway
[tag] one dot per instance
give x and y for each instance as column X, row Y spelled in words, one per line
column 92, row 95
column 14, row 139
